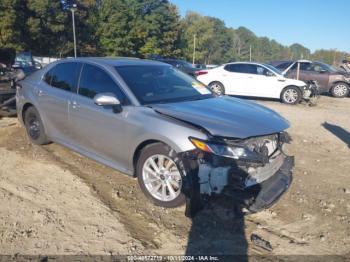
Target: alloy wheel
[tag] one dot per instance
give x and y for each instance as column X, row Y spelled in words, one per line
column 217, row 89
column 340, row 90
column 162, row 177
column 34, row 128
column 290, row 96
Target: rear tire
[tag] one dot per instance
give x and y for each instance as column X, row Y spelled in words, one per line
column 291, row 95
column 159, row 176
column 217, row 88
column 35, row 127
column 340, row 90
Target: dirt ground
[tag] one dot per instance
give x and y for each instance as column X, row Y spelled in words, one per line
column 54, row 201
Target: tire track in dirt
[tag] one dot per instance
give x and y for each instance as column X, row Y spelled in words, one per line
column 118, row 192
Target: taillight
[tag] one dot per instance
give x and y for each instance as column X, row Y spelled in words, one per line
column 201, row 72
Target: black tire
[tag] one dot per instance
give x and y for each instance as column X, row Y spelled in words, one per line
column 291, row 95
column 146, row 153
column 217, row 88
column 35, row 127
column 338, row 90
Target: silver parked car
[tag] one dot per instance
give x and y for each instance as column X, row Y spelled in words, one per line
column 149, row 120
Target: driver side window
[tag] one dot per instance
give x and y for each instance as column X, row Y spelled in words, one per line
column 263, row 71
column 94, row 80
column 316, row 68
column 302, row 66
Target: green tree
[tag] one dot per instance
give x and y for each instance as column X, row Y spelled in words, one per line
column 11, row 24
column 213, row 40
column 331, row 56
column 138, row 28
column 49, row 28
column 299, row 52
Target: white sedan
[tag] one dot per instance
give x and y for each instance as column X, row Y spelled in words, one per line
column 252, row 79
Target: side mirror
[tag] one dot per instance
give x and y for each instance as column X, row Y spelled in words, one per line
column 37, row 65
column 108, row 99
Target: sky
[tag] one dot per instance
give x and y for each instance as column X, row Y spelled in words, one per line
column 315, row 24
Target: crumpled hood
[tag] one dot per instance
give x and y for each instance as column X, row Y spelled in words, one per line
column 346, row 74
column 226, row 116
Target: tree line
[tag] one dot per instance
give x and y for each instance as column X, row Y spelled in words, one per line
column 137, row 28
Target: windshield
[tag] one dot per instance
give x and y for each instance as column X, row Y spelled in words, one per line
column 188, row 65
column 162, row 84
column 274, row 69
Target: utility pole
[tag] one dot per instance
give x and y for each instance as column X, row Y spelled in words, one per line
column 298, row 70
column 250, row 53
column 334, row 56
column 72, row 9
column 194, row 49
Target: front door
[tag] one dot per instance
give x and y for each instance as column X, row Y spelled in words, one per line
column 317, row 73
column 263, row 82
column 97, row 129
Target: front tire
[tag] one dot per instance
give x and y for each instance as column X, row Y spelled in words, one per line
column 35, row 127
column 291, row 95
column 159, row 176
column 340, row 90
column 217, row 88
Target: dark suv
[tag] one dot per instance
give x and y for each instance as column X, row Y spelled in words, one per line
column 329, row 79
column 182, row 65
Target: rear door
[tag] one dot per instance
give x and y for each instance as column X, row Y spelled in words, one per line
column 97, row 129
column 235, row 79
column 53, row 95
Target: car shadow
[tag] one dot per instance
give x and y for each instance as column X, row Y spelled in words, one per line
column 254, row 98
column 339, row 132
column 218, row 231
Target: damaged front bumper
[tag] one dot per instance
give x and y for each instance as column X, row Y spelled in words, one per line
column 266, row 193
column 254, row 186
column 311, row 92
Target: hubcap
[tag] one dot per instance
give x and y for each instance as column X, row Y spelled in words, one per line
column 162, row 178
column 34, row 128
column 340, row 90
column 216, row 88
column 290, row 96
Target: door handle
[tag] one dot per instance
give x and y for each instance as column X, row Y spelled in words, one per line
column 75, row 105
column 39, row 92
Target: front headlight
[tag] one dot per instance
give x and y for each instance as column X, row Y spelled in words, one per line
column 235, row 152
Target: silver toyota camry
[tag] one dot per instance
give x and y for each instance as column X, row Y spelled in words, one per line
column 149, row 120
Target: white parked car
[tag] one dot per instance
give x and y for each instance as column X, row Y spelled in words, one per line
column 252, row 79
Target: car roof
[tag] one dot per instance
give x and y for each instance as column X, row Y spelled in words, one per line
column 116, row 61
column 290, row 61
column 303, row 61
column 172, row 59
column 249, row 63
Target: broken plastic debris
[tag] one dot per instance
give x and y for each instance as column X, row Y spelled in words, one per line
column 260, row 242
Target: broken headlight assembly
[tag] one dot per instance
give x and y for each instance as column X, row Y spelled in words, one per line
column 225, row 150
